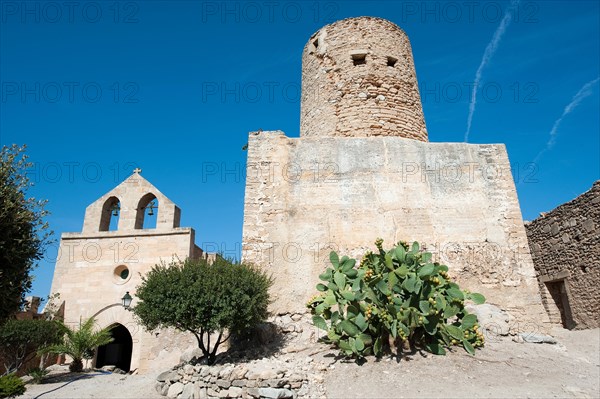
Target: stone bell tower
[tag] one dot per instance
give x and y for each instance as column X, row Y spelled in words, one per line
column 359, row 79
column 125, row 233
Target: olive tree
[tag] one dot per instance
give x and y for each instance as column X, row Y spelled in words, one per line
column 23, row 232
column 20, row 341
column 209, row 300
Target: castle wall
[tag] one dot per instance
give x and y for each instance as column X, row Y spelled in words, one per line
column 359, row 79
column 306, row 196
column 565, row 246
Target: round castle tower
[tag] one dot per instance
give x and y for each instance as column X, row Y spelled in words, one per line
column 358, row 79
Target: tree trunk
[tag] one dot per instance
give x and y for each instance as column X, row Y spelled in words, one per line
column 76, row 366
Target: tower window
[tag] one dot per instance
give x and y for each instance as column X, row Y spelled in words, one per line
column 359, row 59
column 316, row 43
column 391, row 61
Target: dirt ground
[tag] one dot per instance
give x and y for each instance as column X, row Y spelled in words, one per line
column 503, row 369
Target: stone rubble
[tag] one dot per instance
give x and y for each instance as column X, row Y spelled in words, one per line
column 295, row 370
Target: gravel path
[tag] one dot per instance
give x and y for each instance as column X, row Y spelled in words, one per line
column 503, row 369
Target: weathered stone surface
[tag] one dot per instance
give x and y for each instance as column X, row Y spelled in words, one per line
column 537, row 338
column 238, row 373
column 205, row 371
column 175, row 390
column 492, row 319
column 188, row 392
column 188, row 369
column 306, row 196
column 275, row 393
column 168, row 375
column 190, row 354
column 357, row 84
column 262, row 373
column 223, row 383
column 567, row 268
column 235, row 392
column 226, row 372
column 275, row 383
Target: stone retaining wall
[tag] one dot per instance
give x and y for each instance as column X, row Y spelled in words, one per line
column 265, row 378
column 565, row 246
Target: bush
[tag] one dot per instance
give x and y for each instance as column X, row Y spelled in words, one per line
column 203, row 299
column 23, row 232
column 37, row 375
column 21, row 339
column 79, row 343
column 398, row 293
column 11, row 386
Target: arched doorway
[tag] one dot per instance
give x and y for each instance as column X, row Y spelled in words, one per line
column 118, row 352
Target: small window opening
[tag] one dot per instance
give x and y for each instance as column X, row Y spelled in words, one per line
column 124, row 274
column 391, row 61
column 359, row 59
column 316, row 43
column 121, row 275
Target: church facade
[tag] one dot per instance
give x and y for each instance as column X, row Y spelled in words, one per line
column 125, row 233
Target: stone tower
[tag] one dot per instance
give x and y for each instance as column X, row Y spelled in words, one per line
column 363, row 168
column 359, row 79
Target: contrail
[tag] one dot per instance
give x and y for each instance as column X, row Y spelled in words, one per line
column 487, row 56
column 584, row 92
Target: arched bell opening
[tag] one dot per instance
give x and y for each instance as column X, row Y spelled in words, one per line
column 147, row 212
column 109, row 219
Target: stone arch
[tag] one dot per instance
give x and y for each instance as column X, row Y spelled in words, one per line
column 119, row 352
column 147, row 204
column 111, row 209
column 113, row 315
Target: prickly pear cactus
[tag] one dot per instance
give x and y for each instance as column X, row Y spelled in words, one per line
column 397, row 293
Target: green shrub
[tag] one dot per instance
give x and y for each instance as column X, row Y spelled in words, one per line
column 11, row 386
column 397, row 293
column 203, row 298
column 37, row 375
column 21, row 339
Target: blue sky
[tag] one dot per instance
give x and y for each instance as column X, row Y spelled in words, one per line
column 96, row 88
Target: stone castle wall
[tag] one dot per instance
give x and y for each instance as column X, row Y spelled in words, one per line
column 359, row 79
column 310, row 195
column 565, row 245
